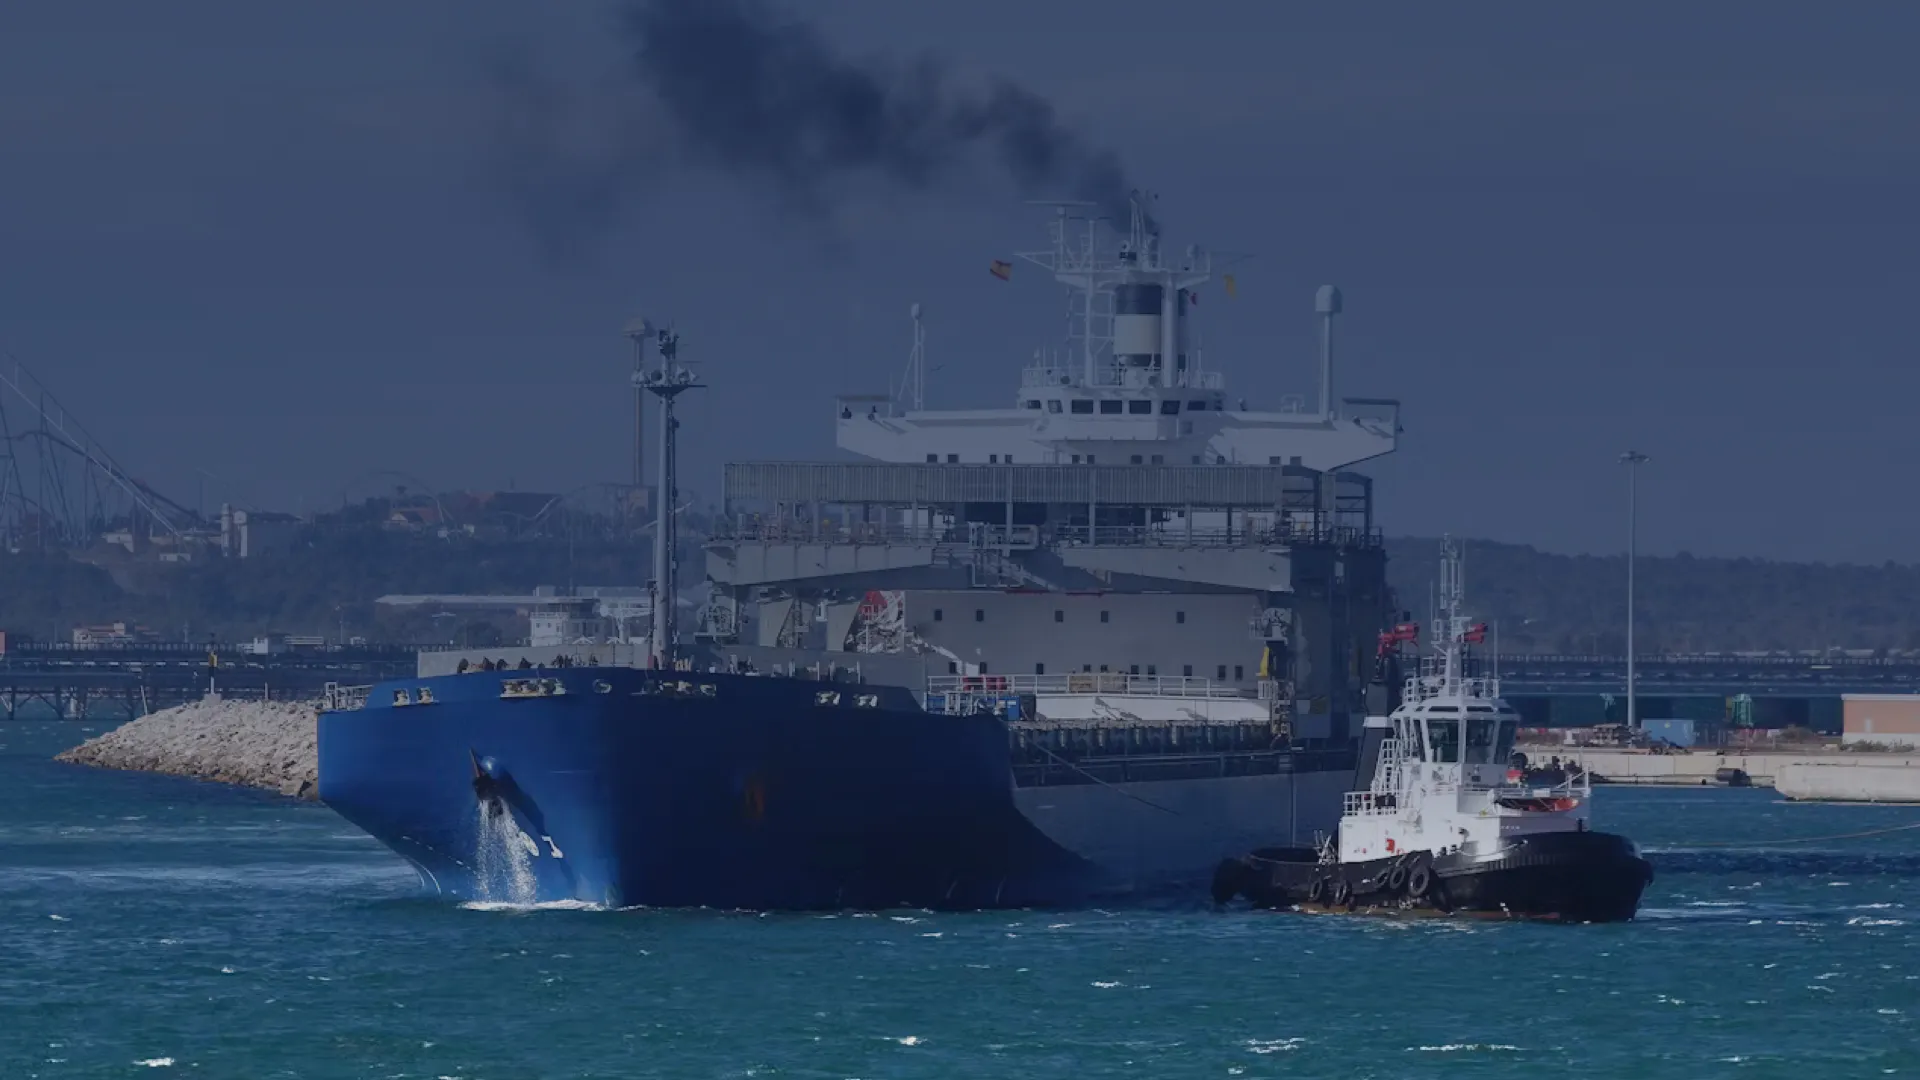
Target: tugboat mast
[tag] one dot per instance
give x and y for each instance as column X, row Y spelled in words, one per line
column 666, row 382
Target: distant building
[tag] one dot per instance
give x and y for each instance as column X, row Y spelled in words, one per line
column 1888, row 719
column 588, row 614
column 111, row 634
column 251, row 534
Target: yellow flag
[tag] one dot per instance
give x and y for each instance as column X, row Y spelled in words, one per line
column 1228, row 281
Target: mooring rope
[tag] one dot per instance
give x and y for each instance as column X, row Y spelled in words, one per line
column 1805, row 839
column 1103, row 783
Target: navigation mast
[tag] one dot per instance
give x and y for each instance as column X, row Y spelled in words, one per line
column 1127, row 298
column 666, row 381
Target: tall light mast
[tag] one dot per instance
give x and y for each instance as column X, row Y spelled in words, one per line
column 666, row 381
column 639, row 331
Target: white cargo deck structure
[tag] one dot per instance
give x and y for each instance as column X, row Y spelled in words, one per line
column 1123, row 515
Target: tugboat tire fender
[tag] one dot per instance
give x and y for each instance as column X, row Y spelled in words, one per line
column 1342, row 892
column 1229, row 878
column 1396, row 877
column 1316, row 889
column 1419, row 880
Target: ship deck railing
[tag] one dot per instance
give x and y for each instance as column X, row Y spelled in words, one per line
column 1302, row 533
column 1370, row 804
column 338, row 698
column 1116, row 683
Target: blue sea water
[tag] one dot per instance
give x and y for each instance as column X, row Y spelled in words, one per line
column 159, row 927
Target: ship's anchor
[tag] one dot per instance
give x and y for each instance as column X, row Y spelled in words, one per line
column 487, row 785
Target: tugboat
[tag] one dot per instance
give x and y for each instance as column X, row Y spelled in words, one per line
column 1445, row 823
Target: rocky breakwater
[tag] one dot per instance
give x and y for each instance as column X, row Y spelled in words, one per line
column 264, row 744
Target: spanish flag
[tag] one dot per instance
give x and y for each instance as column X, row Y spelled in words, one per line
column 1228, row 281
column 1002, row 270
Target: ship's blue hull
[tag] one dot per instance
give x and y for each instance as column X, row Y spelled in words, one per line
column 669, row 789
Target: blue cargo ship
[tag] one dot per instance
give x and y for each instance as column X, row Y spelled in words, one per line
column 622, row 786
column 1089, row 644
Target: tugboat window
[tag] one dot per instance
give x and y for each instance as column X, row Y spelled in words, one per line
column 1110, row 407
column 1082, row 405
column 1053, row 405
column 1140, row 407
column 1443, row 738
column 1481, row 736
column 1503, row 743
column 1170, row 408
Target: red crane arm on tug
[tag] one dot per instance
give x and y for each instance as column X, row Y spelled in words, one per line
column 1475, row 634
column 1405, row 633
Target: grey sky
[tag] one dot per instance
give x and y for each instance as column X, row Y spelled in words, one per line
column 275, row 241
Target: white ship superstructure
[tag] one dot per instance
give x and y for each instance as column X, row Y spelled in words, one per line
column 1129, row 562
column 1131, row 386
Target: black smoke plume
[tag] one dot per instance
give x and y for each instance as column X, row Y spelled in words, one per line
column 757, row 94
column 736, row 86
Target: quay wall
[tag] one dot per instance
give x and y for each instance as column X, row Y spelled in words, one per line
column 1700, row 766
column 263, row 744
column 1895, row 781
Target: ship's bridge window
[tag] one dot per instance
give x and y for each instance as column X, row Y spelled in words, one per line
column 1170, row 407
column 1110, row 407
column 1082, row 406
column 1140, row 407
column 1053, row 405
column 1196, row 406
column 953, row 459
column 1033, row 403
column 1136, row 459
column 933, row 459
column 1443, row 738
column 1482, row 735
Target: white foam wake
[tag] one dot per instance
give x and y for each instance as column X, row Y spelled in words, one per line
column 503, row 861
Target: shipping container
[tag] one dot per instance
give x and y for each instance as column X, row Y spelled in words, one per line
column 1677, row 730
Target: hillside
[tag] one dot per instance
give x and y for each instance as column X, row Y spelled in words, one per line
column 1577, row 603
column 1540, row 601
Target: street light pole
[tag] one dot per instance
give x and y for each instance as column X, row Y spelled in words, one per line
column 1632, row 459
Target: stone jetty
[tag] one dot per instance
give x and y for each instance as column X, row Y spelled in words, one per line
column 264, row 744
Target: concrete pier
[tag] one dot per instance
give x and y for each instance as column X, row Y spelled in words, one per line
column 1877, row 781
column 264, row 744
column 1814, row 774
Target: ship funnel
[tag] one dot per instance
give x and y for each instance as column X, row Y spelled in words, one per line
column 1326, row 302
column 1372, row 734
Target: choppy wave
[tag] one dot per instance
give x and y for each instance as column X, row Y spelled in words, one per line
column 537, row 905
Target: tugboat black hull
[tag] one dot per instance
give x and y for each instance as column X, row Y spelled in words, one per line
column 1565, row 877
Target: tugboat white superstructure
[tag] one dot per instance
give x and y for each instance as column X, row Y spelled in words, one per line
column 1446, row 823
